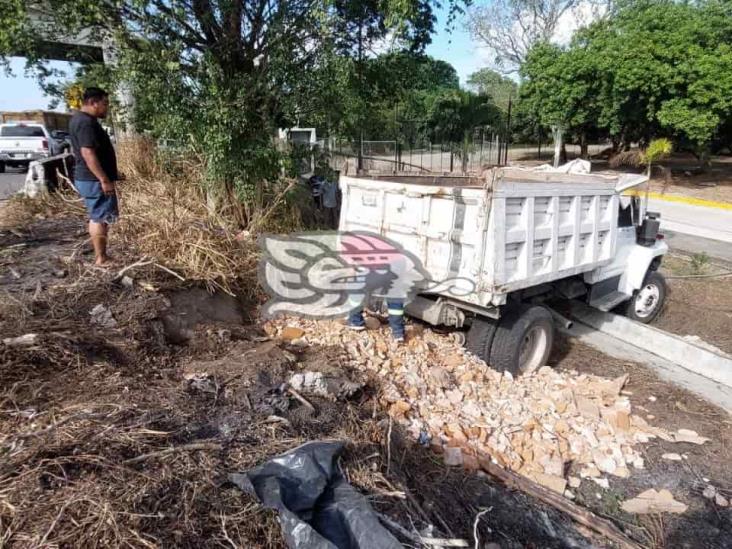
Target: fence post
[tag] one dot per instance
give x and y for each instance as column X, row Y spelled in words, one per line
column 508, row 128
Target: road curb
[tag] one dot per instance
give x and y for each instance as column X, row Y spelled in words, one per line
column 690, row 200
column 663, row 344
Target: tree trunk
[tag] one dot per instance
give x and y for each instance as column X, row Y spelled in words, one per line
column 705, row 161
column 584, row 148
column 563, row 156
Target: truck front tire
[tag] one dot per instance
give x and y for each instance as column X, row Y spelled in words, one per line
column 523, row 340
column 647, row 302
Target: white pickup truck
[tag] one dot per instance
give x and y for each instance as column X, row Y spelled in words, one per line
column 516, row 239
column 24, row 141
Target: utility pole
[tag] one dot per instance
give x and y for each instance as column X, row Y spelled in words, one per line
column 360, row 92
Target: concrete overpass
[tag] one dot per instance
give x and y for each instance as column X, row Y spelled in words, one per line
column 54, row 44
column 86, row 46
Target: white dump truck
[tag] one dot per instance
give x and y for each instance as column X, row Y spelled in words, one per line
column 512, row 241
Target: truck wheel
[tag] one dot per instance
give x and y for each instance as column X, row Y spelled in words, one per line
column 523, row 340
column 480, row 338
column 2, row 167
column 648, row 301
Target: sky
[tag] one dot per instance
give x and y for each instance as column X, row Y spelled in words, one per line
column 22, row 93
column 457, row 47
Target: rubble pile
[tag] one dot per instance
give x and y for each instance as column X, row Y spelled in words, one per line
column 536, row 425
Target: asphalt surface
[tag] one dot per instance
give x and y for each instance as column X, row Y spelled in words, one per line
column 10, row 182
column 705, row 222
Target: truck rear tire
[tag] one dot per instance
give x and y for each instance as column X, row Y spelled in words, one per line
column 2, row 167
column 480, row 338
column 523, row 340
column 647, row 302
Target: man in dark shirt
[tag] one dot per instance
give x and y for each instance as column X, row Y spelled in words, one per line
column 95, row 171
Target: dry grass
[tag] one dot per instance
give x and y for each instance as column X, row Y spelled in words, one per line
column 165, row 217
column 632, row 158
column 21, row 211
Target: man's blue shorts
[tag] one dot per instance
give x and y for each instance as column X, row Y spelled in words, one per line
column 102, row 207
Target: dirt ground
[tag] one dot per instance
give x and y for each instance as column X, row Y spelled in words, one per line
column 700, row 307
column 684, row 178
column 668, row 406
column 124, row 434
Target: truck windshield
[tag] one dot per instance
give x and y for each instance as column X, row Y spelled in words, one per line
column 21, row 131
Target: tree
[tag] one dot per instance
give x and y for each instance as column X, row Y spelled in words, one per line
column 560, row 89
column 495, row 85
column 653, row 68
column 222, row 75
column 510, row 28
column 454, row 114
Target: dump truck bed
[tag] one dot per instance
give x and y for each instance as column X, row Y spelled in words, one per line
column 511, row 230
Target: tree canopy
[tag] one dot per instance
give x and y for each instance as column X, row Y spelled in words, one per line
column 651, row 68
column 223, row 75
column 495, row 85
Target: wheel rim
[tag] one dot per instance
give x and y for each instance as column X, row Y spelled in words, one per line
column 647, row 300
column 533, row 349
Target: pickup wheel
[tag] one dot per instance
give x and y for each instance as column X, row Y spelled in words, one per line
column 523, row 340
column 480, row 338
column 647, row 302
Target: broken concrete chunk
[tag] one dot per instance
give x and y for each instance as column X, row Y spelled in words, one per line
column 709, row 492
column 453, row 457
column 553, row 482
column 622, row 472
column 21, row 341
column 671, row 457
column 319, row 384
column 399, row 408
column 292, row 332
column 652, row 501
column 533, row 424
column 575, row 482
column 687, row 435
column 601, row 482
column 720, row 500
column 102, row 316
column 587, row 408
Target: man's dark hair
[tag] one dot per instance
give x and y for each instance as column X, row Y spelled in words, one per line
column 92, row 95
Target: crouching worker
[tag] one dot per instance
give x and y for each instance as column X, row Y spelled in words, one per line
column 396, row 319
column 95, row 170
column 385, row 271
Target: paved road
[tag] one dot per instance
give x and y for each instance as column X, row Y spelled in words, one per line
column 10, row 182
column 702, row 221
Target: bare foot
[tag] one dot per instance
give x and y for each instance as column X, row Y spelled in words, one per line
column 105, row 261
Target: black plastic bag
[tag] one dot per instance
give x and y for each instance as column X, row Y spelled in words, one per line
column 318, row 508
